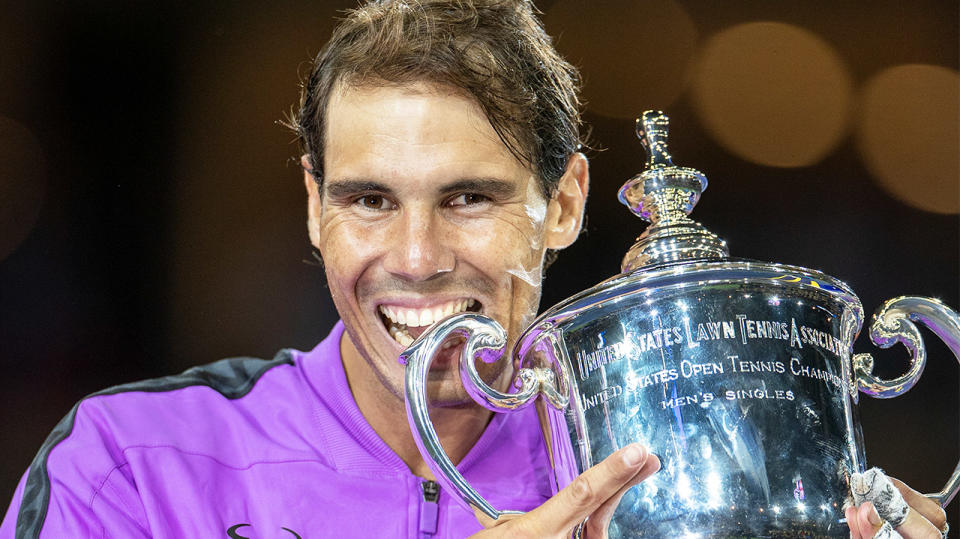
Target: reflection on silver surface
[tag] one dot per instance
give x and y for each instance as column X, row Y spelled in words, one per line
column 738, row 374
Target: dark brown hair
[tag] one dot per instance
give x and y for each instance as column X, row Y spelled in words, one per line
column 494, row 50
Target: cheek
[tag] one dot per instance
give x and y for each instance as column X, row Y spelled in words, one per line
column 512, row 236
column 507, row 247
column 347, row 248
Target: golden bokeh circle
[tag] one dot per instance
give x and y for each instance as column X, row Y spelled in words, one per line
column 908, row 133
column 633, row 56
column 773, row 93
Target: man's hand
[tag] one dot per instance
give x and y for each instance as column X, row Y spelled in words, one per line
column 595, row 494
column 925, row 519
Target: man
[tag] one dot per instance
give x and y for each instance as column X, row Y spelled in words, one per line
column 440, row 154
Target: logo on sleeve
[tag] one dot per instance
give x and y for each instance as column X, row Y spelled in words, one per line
column 232, row 532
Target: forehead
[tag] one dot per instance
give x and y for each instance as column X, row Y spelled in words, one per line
column 347, row 93
column 419, row 125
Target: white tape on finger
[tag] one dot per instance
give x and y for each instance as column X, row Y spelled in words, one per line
column 874, row 486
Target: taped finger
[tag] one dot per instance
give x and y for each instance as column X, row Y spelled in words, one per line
column 874, row 486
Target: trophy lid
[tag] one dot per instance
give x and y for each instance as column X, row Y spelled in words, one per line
column 664, row 195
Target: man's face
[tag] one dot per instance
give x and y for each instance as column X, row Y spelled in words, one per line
column 424, row 212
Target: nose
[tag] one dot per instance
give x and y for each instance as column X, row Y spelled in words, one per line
column 420, row 246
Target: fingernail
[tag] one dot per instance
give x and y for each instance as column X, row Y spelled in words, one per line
column 873, row 516
column 633, row 454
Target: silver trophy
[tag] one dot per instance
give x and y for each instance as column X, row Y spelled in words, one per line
column 738, row 374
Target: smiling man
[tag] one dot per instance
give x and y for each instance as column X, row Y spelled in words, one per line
column 440, row 153
column 441, row 168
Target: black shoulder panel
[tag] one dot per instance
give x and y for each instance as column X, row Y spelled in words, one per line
column 233, row 378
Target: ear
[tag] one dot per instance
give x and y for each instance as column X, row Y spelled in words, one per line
column 314, row 204
column 565, row 209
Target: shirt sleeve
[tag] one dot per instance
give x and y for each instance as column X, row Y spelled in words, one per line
column 78, row 485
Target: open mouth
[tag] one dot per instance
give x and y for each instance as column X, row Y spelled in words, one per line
column 405, row 324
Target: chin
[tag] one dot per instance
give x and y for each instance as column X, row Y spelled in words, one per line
column 444, row 387
column 445, row 396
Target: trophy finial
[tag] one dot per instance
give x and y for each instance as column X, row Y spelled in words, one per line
column 664, row 195
column 652, row 129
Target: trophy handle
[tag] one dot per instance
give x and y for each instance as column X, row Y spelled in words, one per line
column 893, row 323
column 486, row 339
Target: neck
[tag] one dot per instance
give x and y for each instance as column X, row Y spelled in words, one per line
column 458, row 427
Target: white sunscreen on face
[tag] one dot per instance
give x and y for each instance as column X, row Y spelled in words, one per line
column 536, row 210
column 533, row 276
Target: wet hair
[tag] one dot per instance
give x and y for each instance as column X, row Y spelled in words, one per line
column 495, row 51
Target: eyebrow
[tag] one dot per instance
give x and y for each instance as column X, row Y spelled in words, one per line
column 348, row 187
column 493, row 186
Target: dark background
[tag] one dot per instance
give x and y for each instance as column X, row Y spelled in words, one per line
column 152, row 216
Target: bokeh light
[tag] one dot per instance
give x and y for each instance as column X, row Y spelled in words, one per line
column 908, row 135
column 23, row 183
column 633, row 56
column 773, row 93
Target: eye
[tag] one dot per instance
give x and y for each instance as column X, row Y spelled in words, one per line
column 375, row 202
column 467, row 199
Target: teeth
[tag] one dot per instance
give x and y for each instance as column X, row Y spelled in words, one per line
column 424, row 317
column 399, row 319
column 400, row 335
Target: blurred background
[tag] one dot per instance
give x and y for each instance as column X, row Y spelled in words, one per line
column 152, row 216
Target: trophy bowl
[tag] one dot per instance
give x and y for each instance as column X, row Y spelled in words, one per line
column 739, row 375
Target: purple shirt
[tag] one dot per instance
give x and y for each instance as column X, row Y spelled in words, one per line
column 257, row 449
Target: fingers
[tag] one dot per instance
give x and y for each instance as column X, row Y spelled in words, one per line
column 868, row 520
column 853, row 523
column 488, row 522
column 927, row 508
column 865, row 523
column 586, row 493
column 600, row 519
column 915, row 526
